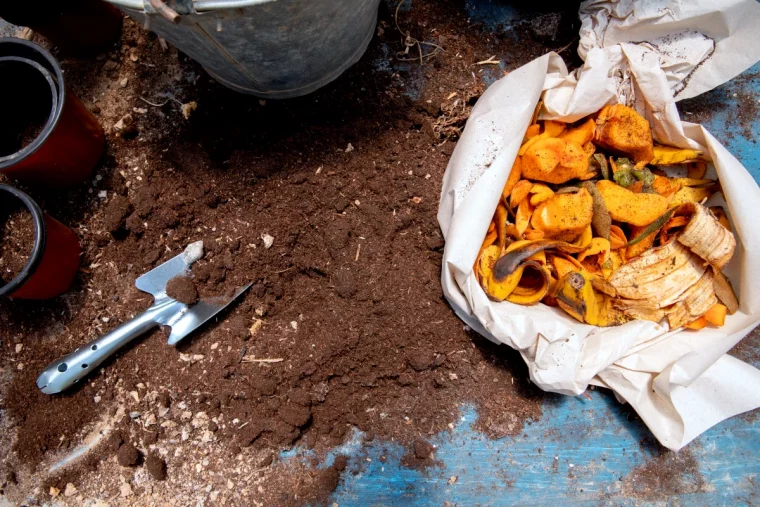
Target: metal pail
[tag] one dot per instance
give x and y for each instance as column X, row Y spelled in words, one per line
column 269, row 48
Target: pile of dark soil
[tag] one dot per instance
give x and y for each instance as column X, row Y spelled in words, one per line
column 16, row 243
column 327, row 204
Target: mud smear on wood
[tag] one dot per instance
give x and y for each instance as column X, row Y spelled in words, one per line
column 664, row 474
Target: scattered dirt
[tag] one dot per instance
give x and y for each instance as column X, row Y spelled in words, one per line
column 156, row 467
column 421, row 455
column 115, row 214
column 128, row 455
column 664, row 474
column 735, row 102
column 16, row 243
column 352, row 330
column 182, row 288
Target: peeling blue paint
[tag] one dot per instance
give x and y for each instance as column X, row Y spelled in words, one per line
column 735, row 117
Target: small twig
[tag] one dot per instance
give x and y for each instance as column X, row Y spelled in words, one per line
column 251, row 359
column 410, row 41
column 153, row 104
column 566, row 47
column 489, row 61
column 242, row 354
column 27, row 34
column 160, row 105
column 358, row 250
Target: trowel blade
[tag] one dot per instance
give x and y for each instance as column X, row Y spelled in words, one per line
column 154, row 281
column 199, row 313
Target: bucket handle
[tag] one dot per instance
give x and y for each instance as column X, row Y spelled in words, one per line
column 164, row 10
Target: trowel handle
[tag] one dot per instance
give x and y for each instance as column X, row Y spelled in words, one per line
column 67, row 371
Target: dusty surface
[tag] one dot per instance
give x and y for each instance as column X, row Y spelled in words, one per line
column 664, row 474
column 327, row 204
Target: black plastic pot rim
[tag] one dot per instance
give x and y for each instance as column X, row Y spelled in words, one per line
column 40, row 238
column 59, row 91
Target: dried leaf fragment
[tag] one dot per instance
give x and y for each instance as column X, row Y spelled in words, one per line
column 601, row 222
column 670, row 155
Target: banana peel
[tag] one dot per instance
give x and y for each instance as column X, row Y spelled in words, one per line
column 697, row 300
column 527, row 284
column 706, row 237
column 576, row 296
column 584, row 240
column 721, row 215
column 725, row 292
column 598, row 246
column 696, row 170
column 533, row 285
column 659, row 276
column 520, row 251
column 693, row 195
column 617, row 238
column 564, row 264
column 670, row 155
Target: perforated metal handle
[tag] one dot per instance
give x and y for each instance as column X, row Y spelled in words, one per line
column 67, row 371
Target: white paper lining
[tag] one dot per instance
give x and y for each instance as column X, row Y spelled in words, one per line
column 681, row 383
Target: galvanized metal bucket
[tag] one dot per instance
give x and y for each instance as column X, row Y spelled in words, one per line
column 269, row 48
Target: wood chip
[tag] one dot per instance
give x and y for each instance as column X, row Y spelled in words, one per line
column 252, row 359
column 257, row 323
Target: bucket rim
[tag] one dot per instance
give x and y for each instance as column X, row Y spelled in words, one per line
column 198, row 5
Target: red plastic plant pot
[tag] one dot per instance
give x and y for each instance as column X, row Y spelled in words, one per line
column 54, row 259
column 47, row 136
column 76, row 27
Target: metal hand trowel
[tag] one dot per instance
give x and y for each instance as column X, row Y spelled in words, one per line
column 165, row 311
